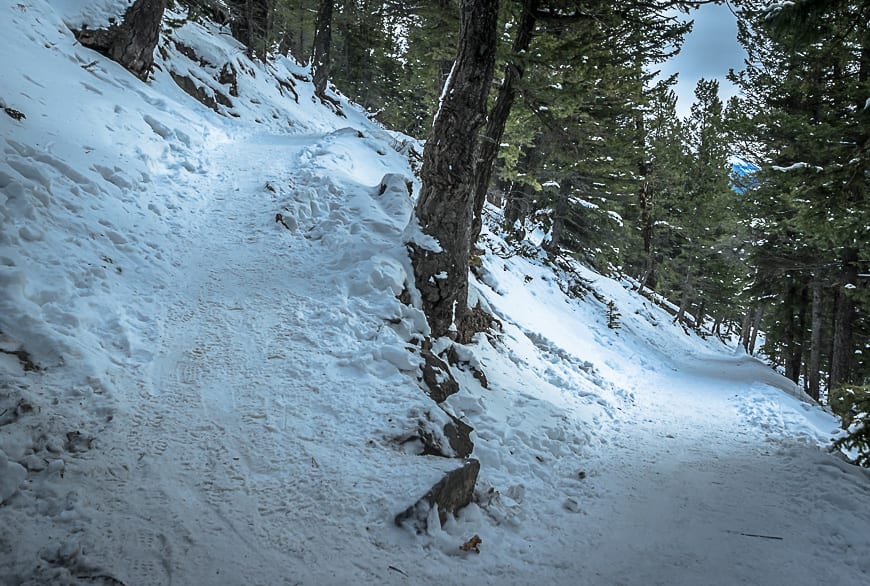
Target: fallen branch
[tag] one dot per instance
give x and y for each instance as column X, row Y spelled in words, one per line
column 756, row 535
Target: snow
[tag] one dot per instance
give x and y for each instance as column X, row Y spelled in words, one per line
column 228, row 399
column 795, row 167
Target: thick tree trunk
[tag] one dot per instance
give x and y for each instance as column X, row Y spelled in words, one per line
column 498, row 117
column 446, row 203
column 132, row 42
column 844, row 318
column 815, row 360
column 320, row 59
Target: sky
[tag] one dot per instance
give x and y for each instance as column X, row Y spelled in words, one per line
column 709, row 52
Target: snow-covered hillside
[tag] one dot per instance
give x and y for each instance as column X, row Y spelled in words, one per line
column 196, row 391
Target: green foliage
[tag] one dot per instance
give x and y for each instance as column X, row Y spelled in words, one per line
column 806, row 87
column 852, row 404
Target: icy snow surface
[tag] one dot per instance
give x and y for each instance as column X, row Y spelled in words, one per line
column 226, row 399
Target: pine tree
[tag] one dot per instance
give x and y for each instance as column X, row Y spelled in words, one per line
column 444, row 208
column 806, row 90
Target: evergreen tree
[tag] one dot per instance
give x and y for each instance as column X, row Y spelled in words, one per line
column 806, row 88
column 444, row 208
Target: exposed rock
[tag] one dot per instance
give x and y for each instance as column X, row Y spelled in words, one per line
column 200, row 94
column 439, row 428
column 189, row 53
column 14, row 113
column 476, row 320
column 454, row 359
column 77, row 442
column 437, row 377
column 450, row 494
column 229, row 77
column 24, row 357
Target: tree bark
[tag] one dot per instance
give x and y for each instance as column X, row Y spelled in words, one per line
column 756, row 326
column 746, row 328
column 815, row 359
column 320, row 58
column 132, row 42
column 684, row 299
column 796, row 301
column 498, row 117
column 445, row 206
column 252, row 25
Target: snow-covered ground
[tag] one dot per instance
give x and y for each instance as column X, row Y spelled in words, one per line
column 226, row 399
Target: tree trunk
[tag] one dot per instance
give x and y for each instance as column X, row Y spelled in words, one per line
column 132, row 42
column 844, row 318
column 560, row 211
column 795, row 331
column 322, row 42
column 756, row 326
column 684, row 299
column 498, row 117
column 446, row 203
column 815, row 360
column 517, row 200
column 746, row 328
column 252, row 25
column 645, row 203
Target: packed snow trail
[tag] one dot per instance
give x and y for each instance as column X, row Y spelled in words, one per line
column 232, row 418
column 717, row 486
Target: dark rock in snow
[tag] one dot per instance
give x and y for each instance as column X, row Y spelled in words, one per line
column 450, row 494
column 455, row 432
column 436, row 375
column 200, row 93
column 454, row 360
column 228, row 76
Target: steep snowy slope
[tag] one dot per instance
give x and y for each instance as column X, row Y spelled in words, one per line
column 192, row 392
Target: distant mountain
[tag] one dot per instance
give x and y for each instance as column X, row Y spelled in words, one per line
column 742, row 173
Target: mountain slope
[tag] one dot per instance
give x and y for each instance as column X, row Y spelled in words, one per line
column 224, row 398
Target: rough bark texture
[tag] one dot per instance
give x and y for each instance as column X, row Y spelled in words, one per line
column 131, row 43
column 320, row 58
column 445, row 206
column 499, row 115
